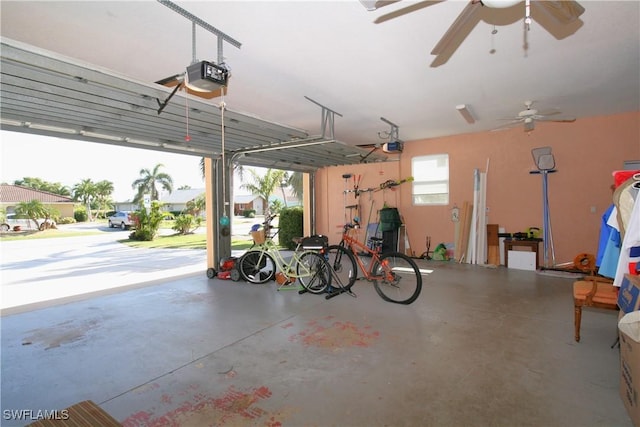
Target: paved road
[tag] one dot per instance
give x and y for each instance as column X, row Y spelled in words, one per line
column 36, row 272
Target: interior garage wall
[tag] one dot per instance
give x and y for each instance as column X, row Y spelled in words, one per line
column 586, row 153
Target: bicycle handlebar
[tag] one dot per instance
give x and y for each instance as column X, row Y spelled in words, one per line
column 269, row 218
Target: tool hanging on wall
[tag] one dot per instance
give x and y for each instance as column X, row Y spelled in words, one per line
column 349, row 209
column 346, row 177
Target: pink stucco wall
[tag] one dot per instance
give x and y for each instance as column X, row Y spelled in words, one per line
column 586, row 153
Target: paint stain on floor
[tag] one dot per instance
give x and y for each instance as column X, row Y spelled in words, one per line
column 328, row 333
column 233, row 408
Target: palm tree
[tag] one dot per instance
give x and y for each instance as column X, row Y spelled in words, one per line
column 296, row 183
column 149, row 181
column 85, row 192
column 32, row 210
column 104, row 189
column 237, row 168
column 264, row 186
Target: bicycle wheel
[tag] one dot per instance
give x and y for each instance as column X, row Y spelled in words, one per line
column 257, row 267
column 343, row 265
column 313, row 272
column 398, row 278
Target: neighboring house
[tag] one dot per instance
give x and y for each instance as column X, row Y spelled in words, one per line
column 288, row 199
column 245, row 202
column 177, row 200
column 12, row 195
column 127, row 205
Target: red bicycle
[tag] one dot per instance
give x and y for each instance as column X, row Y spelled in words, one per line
column 395, row 276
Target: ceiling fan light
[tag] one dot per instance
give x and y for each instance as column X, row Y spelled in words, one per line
column 466, row 113
column 500, row 4
column 529, row 125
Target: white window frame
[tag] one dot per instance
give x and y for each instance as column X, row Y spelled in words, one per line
column 430, row 180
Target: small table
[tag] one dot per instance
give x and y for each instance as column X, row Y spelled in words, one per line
column 510, row 243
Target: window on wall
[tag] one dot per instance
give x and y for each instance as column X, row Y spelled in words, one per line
column 430, row 179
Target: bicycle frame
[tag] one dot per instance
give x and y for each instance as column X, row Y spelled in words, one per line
column 395, row 276
column 267, row 259
column 288, row 268
column 356, row 247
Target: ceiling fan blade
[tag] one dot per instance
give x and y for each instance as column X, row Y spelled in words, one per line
column 562, row 119
column 509, row 125
column 545, row 113
column 513, row 119
column 372, row 5
column 405, row 10
column 563, row 12
column 470, row 13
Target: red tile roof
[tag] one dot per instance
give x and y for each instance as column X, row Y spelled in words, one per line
column 17, row 194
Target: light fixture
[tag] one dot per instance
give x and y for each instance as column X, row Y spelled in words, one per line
column 529, row 124
column 466, row 113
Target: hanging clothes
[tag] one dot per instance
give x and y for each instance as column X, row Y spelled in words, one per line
column 630, row 248
column 605, row 232
column 611, row 252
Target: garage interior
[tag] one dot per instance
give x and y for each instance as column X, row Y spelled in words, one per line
column 481, row 346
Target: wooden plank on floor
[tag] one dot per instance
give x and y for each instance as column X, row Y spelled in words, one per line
column 82, row 414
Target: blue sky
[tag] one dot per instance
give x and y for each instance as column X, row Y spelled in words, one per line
column 69, row 162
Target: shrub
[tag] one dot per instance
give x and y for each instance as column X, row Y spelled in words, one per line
column 291, row 226
column 186, row 223
column 80, row 214
column 66, row 220
column 249, row 213
column 147, row 223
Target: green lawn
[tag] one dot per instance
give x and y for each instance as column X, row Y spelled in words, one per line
column 188, row 241
column 174, row 241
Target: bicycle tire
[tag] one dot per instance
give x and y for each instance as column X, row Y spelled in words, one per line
column 398, row 278
column 343, row 265
column 313, row 271
column 257, row 267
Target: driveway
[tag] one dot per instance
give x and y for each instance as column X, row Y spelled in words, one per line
column 41, row 272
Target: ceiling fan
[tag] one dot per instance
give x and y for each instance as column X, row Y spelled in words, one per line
column 529, row 116
column 546, row 12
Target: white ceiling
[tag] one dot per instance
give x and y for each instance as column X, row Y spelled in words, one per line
column 334, row 53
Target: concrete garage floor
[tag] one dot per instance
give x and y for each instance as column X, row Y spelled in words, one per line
column 480, row 347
